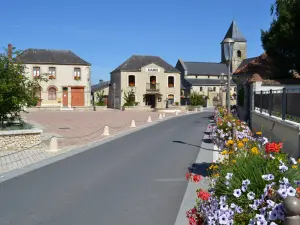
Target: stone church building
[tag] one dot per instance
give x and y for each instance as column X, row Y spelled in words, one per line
column 210, row 78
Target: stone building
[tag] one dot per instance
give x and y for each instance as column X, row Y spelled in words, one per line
column 154, row 82
column 210, row 78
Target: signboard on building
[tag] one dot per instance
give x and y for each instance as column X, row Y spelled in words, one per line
column 156, row 70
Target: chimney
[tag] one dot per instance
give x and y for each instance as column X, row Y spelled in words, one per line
column 9, row 51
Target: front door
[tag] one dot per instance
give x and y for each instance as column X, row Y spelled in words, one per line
column 65, row 97
column 150, row 100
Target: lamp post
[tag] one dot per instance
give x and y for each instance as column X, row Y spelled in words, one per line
column 221, row 88
column 114, row 88
column 228, row 51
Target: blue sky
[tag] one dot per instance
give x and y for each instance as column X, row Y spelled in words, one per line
column 107, row 32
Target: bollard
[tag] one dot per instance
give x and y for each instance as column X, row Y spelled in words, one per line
column 187, row 111
column 106, row 131
column 53, row 145
column 132, row 123
column 160, row 116
column 164, row 115
column 176, row 113
column 149, row 119
column 291, row 208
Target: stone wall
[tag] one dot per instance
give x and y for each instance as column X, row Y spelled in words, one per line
column 20, row 139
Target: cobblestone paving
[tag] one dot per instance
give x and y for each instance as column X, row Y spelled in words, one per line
column 73, row 129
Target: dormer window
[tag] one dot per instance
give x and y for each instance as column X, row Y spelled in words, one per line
column 36, row 71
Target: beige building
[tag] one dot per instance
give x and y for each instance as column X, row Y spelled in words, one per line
column 100, row 90
column 69, row 77
column 153, row 81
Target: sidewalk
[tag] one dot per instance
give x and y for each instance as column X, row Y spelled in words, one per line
column 203, row 161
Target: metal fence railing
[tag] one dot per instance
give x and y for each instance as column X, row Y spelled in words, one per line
column 282, row 103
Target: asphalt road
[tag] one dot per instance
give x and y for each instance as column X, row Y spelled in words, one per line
column 138, row 179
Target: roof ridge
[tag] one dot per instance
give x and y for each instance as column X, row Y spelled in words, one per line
column 202, row 62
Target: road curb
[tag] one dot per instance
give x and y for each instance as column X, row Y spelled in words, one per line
column 36, row 165
column 189, row 199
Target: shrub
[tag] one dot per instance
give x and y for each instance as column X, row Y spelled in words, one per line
column 197, row 99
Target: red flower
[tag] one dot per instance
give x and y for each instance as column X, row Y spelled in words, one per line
column 273, row 147
column 203, row 195
column 197, row 178
column 188, row 175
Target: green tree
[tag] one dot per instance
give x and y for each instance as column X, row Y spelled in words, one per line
column 100, row 98
column 281, row 40
column 197, row 99
column 130, row 98
column 16, row 89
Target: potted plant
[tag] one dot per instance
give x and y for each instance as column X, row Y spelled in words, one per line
column 131, row 84
column 51, row 77
column 77, row 78
column 171, row 85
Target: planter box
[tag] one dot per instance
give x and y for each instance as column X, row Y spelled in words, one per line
column 139, row 108
column 101, row 108
column 217, row 156
column 195, row 108
column 20, row 139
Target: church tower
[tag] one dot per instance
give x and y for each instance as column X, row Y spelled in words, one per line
column 239, row 47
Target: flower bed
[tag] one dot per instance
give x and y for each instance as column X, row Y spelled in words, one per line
column 249, row 185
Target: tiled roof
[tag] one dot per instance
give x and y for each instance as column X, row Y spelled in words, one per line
column 262, row 65
column 46, row 56
column 205, row 68
column 206, row 82
column 234, row 33
column 136, row 62
column 100, row 86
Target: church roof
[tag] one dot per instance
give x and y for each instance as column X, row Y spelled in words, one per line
column 234, row 33
column 204, row 68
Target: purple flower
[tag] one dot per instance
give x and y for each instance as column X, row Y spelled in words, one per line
column 229, row 176
column 251, row 195
column 232, row 205
column 239, row 209
column 246, row 182
column 237, row 192
column 293, row 161
column 244, row 188
column 283, row 168
column 270, row 203
column 268, row 177
column 224, row 207
column 297, row 182
column 223, row 219
column 291, row 191
column 282, row 192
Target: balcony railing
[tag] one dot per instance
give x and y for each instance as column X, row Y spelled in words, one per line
column 150, row 87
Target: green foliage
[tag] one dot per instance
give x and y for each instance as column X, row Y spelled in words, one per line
column 197, row 99
column 130, row 98
column 281, row 41
column 16, row 89
column 241, row 96
column 100, row 98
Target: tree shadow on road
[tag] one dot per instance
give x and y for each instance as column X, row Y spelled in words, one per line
column 184, row 143
column 207, row 141
column 200, row 168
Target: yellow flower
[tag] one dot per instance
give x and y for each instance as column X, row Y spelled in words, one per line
column 224, row 152
column 245, row 139
column 233, row 161
column 258, row 133
column 240, row 145
column 230, row 152
column 254, row 151
column 229, row 142
column 299, row 160
column 216, row 167
column 294, row 166
column 216, row 175
column 211, row 166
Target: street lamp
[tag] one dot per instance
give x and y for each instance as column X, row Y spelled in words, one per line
column 114, row 88
column 228, row 51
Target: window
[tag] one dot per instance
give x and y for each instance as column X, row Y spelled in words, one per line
column 201, row 88
column 52, row 72
column 214, row 88
column 170, row 82
column 131, row 81
column 36, row 71
column 52, row 93
column 239, row 54
column 235, row 89
column 77, row 73
column 153, row 79
column 170, row 99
